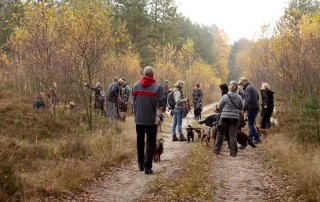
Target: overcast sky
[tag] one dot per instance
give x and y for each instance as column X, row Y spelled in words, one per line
column 239, row 18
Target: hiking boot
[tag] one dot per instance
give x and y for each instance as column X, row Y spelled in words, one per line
column 233, row 155
column 148, row 172
column 174, row 138
column 257, row 142
column 182, row 138
column 141, row 167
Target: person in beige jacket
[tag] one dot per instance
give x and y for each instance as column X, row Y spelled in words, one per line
column 178, row 111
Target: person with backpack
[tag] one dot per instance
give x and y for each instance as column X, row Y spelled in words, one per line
column 113, row 98
column 39, row 102
column 125, row 97
column 148, row 97
column 266, row 106
column 99, row 96
column 197, row 101
column 251, row 107
column 229, row 106
column 177, row 102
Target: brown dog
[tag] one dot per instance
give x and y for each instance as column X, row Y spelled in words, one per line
column 161, row 119
column 207, row 134
column 263, row 133
column 158, row 150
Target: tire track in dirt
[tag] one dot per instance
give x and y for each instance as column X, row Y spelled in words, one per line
column 239, row 178
column 127, row 183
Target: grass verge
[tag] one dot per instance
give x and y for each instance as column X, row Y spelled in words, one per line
column 193, row 182
column 300, row 162
column 43, row 157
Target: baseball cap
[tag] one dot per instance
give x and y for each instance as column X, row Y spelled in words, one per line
column 242, row 79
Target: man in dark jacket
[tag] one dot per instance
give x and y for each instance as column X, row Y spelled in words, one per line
column 251, row 107
column 148, row 97
column 113, row 98
column 126, row 91
column 98, row 96
column 197, row 101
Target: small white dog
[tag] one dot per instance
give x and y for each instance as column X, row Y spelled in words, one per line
column 274, row 121
column 168, row 113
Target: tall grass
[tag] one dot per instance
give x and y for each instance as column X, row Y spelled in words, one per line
column 300, row 159
column 52, row 156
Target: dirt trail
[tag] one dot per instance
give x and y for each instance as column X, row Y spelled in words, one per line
column 127, row 183
column 241, row 178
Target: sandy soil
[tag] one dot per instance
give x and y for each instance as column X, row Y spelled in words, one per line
column 243, row 178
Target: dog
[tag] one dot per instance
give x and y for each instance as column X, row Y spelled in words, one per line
column 263, row 133
column 197, row 112
column 208, row 133
column 161, row 119
column 190, row 133
column 72, row 106
column 211, row 120
column 158, row 150
column 122, row 116
column 168, row 113
column 274, row 121
column 242, row 137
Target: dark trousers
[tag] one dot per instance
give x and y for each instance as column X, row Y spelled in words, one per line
column 145, row 158
column 265, row 118
column 251, row 116
column 224, row 125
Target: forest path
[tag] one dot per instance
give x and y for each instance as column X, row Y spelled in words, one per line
column 247, row 177
column 127, row 183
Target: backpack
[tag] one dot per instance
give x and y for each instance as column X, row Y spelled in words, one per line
column 170, row 100
column 102, row 95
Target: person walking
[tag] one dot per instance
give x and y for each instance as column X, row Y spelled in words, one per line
column 178, row 111
column 148, row 97
column 197, row 95
column 230, row 105
column 266, row 106
column 251, row 107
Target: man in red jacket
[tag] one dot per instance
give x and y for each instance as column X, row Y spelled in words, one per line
column 148, row 98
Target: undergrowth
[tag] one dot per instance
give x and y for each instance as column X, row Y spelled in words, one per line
column 41, row 155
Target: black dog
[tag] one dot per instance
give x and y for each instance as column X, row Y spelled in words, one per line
column 211, row 120
column 242, row 137
column 197, row 112
column 190, row 133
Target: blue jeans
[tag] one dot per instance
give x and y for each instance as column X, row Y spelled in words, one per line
column 177, row 120
column 111, row 111
column 251, row 115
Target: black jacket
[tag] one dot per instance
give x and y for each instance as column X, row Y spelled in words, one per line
column 267, row 98
column 114, row 92
column 251, row 98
